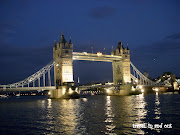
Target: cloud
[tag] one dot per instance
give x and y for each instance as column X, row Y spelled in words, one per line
column 7, row 32
column 10, row 51
column 158, row 49
column 102, row 12
column 6, row 27
column 175, row 36
column 158, row 57
column 19, row 63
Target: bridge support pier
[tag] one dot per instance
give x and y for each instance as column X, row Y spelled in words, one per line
column 64, row 92
column 4, row 88
column 125, row 89
column 59, row 92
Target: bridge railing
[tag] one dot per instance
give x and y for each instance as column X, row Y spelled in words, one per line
column 139, row 78
column 34, row 77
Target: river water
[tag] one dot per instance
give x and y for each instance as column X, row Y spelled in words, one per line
column 94, row 115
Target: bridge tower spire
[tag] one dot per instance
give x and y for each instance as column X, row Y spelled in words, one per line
column 112, row 52
column 121, row 68
column 63, row 70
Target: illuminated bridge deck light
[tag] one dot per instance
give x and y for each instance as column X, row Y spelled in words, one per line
column 99, row 54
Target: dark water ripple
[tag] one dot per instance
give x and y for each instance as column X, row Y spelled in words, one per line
column 92, row 116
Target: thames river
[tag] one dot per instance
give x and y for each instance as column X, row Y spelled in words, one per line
column 100, row 114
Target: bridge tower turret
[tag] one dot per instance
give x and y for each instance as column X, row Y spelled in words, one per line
column 63, row 70
column 121, row 68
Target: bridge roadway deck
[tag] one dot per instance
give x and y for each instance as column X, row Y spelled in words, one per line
column 29, row 88
column 95, row 57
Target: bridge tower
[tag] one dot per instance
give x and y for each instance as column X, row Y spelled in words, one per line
column 63, row 70
column 121, row 68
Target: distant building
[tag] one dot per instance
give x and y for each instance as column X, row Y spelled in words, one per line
column 178, row 81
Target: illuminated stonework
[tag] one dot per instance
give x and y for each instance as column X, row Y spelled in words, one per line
column 63, row 70
column 121, row 68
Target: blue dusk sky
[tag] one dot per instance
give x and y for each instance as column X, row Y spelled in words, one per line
column 28, row 28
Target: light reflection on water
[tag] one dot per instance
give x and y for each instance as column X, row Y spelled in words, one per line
column 68, row 117
column 157, row 111
column 140, row 111
column 92, row 115
column 109, row 116
column 49, row 104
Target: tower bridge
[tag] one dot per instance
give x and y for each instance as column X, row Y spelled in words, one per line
column 63, row 57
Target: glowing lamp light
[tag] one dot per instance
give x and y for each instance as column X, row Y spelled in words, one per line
column 142, row 90
column 108, row 91
column 140, row 87
column 70, row 91
column 49, row 93
column 132, row 88
column 76, row 90
column 156, row 89
column 136, row 80
column 63, row 91
column 99, row 54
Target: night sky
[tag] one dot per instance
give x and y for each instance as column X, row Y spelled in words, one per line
column 28, row 29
